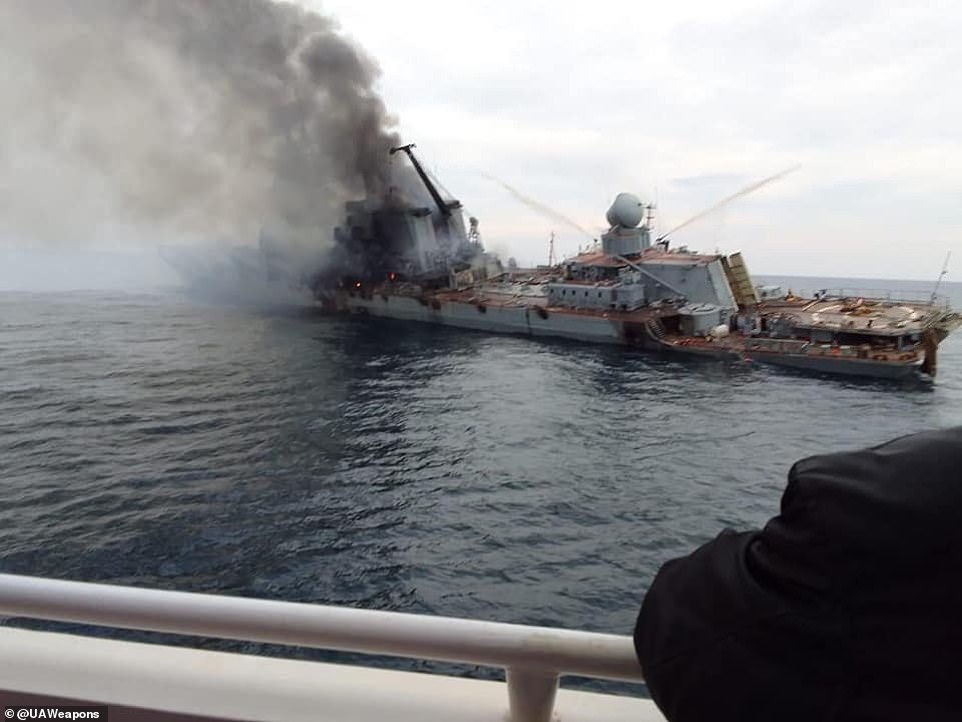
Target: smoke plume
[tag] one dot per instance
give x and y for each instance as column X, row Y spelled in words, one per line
column 734, row 196
column 190, row 118
column 539, row 208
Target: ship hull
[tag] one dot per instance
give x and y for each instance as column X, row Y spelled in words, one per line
column 525, row 320
column 619, row 329
column 946, row 325
column 866, row 368
column 814, row 363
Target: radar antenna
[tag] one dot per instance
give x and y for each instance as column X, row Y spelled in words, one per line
column 650, row 216
column 474, row 235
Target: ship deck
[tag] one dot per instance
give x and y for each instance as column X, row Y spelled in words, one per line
column 864, row 316
column 860, row 360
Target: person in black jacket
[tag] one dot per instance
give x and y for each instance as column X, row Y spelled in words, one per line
column 847, row 606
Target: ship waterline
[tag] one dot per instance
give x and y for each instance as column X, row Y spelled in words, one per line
column 643, row 328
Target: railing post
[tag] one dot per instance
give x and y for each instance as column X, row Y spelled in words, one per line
column 531, row 694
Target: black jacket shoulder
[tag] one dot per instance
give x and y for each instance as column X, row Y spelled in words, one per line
column 846, row 606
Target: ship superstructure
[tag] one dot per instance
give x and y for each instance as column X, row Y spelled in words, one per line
column 627, row 289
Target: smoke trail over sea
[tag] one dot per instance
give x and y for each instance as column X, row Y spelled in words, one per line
column 734, row 196
column 183, row 119
column 539, row 208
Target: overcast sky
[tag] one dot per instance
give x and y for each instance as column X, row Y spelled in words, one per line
column 690, row 101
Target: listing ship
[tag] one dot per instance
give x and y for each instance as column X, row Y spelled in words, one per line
column 628, row 289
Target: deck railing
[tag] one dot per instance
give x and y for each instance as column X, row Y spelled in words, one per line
column 879, row 294
column 533, row 657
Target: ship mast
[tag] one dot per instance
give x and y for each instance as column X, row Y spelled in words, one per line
column 938, row 282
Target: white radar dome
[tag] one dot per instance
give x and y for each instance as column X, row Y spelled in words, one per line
column 627, row 211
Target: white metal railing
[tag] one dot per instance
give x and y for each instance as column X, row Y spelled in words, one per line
column 533, row 657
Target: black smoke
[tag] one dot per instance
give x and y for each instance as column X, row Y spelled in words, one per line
column 175, row 119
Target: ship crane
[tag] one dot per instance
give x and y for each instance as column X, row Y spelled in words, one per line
column 442, row 206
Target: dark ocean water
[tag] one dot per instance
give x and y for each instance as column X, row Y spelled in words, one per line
column 155, row 441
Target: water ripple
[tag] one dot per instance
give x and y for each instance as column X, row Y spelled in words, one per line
column 150, row 441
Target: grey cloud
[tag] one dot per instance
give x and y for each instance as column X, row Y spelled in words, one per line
column 711, row 180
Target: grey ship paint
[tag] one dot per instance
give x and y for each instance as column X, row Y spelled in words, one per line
column 630, row 290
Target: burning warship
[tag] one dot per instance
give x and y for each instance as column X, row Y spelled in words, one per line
column 413, row 263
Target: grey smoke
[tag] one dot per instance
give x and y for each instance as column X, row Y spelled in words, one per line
column 728, row 199
column 183, row 119
column 539, row 208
